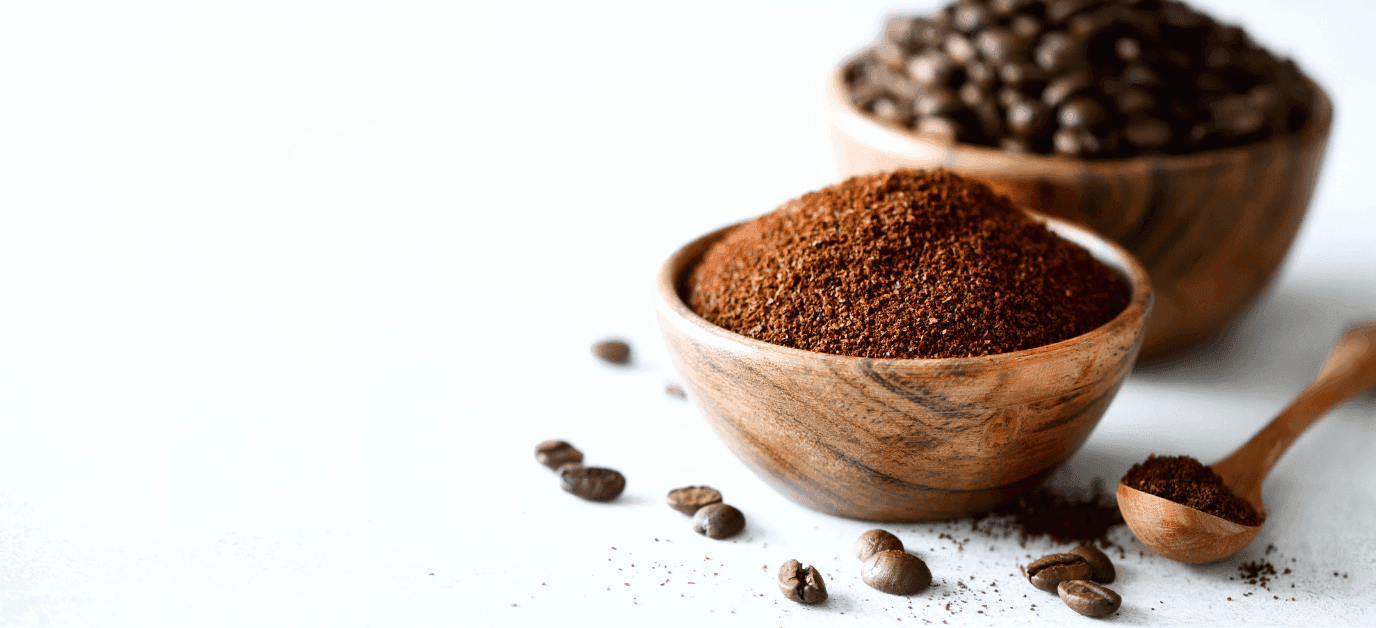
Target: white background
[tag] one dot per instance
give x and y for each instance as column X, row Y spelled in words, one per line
column 290, row 290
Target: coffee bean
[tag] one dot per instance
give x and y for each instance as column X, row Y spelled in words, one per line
column 718, row 521
column 1089, row 599
column 1147, row 133
column 931, row 67
column 1005, row 8
column 1141, row 75
column 1025, row 27
column 1099, row 564
column 896, row 572
column 960, row 49
column 1046, row 572
column 1018, row 73
column 1055, row 51
column 875, row 541
column 970, row 16
column 592, row 483
column 981, row 75
column 1064, row 86
column 943, row 129
column 804, row 586
column 891, row 53
column 972, row 94
column 1080, row 112
column 553, row 453
column 1135, row 101
column 1027, row 118
column 1009, row 96
column 689, row 499
column 892, row 110
column 997, row 44
column 1128, row 49
column 901, row 30
column 864, row 95
column 674, row 390
column 937, row 102
column 614, row 351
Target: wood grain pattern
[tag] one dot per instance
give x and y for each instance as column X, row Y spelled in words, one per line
column 1185, row 534
column 1211, row 228
column 902, row 440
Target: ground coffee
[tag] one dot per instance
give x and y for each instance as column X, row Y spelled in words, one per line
column 1187, row 481
column 1095, row 79
column 907, row 264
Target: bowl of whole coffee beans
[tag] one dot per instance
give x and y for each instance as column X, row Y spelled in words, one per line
column 1153, row 124
column 903, row 346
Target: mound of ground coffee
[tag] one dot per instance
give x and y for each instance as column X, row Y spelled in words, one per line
column 1187, row 481
column 1088, row 78
column 907, row 264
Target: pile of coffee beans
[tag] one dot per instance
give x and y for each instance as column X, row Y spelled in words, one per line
column 1084, row 78
column 887, row 567
column 1069, row 575
column 591, row 483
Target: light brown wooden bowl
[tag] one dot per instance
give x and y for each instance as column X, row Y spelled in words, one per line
column 902, row 440
column 1210, row 227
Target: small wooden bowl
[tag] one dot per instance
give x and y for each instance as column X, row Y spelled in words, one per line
column 902, row 440
column 1210, row 227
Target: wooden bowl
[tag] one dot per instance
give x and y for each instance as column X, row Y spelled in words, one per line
column 902, row 440
column 1210, row 227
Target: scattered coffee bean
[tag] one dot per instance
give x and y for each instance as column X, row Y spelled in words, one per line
column 1048, row 571
column 674, row 390
column 554, row 453
column 896, row 572
column 689, row 499
column 1099, row 564
column 875, row 541
column 614, row 351
column 804, row 586
column 718, row 521
column 1089, row 599
column 592, row 483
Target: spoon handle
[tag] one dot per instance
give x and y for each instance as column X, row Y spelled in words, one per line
column 1349, row 370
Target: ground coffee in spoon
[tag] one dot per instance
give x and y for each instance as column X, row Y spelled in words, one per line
column 907, row 264
column 1187, row 481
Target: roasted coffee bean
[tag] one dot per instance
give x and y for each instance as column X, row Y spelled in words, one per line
column 931, row 67
column 970, row 16
column 960, row 49
column 1009, row 96
column 553, row 453
column 896, row 572
column 1128, row 49
column 1080, row 112
column 1005, row 8
column 1236, row 115
column 902, row 30
column 804, row 586
column 674, row 390
column 937, row 102
column 875, row 541
column 1141, row 75
column 1025, row 27
column 981, row 75
column 689, row 499
column 1089, row 599
column 891, row 53
column 592, row 483
column 614, row 351
column 1018, row 73
column 892, row 110
column 1027, row 118
column 997, row 44
column 865, row 94
column 972, row 94
column 1099, row 564
column 1135, row 101
column 1064, row 86
column 718, row 521
column 1048, row 571
column 1147, row 133
column 1055, row 51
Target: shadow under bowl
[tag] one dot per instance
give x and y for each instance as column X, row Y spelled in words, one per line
column 902, row 440
column 1211, row 228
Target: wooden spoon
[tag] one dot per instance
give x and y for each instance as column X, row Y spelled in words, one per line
column 1185, row 534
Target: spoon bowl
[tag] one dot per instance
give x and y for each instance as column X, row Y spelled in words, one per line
column 1188, row 535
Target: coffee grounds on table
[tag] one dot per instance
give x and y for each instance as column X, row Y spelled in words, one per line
column 906, row 264
column 1187, row 481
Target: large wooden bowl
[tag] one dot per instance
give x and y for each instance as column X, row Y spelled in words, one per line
column 902, row 440
column 1211, row 228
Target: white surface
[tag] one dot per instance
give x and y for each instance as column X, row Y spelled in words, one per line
column 291, row 290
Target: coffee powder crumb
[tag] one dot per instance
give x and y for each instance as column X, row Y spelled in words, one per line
column 906, row 264
column 1187, row 481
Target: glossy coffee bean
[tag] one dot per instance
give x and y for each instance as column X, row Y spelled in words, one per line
column 689, row 499
column 1089, row 599
column 959, row 48
column 997, row 44
column 931, row 67
column 1128, row 49
column 802, row 585
column 1027, row 118
column 718, row 521
column 875, row 541
column 554, row 453
column 1055, row 51
column 981, row 75
column 1048, row 571
column 896, row 572
column 1064, row 86
column 1080, row 112
column 591, row 483
column 1101, row 568
column 614, row 351
column 937, row 102
column 970, row 16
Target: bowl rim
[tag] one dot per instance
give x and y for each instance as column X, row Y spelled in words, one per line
column 858, row 123
column 1110, row 253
